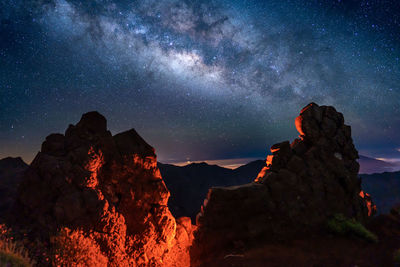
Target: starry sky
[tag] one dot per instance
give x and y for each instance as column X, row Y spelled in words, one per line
column 199, row 79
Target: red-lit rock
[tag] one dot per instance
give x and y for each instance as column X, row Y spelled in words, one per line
column 368, row 201
column 109, row 189
column 301, row 186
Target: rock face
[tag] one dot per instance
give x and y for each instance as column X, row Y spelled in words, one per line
column 110, row 188
column 11, row 173
column 302, row 184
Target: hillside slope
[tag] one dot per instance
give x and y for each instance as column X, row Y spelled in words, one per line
column 189, row 184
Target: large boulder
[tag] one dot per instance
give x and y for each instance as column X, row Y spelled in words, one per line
column 11, row 174
column 302, row 185
column 108, row 188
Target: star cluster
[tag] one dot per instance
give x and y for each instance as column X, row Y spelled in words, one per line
column 199, row 79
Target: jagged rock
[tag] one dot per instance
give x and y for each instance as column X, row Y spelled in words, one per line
column 11, row 174
column 301, row 186
column 109, row 187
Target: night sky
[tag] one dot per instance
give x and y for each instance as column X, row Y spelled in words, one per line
column 199, row 79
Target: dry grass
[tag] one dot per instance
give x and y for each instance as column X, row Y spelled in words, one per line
column 74, row 248
column 13, row 255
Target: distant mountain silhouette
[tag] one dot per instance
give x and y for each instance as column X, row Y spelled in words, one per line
column 384, row 189
column 189, row 184
column 370, row 165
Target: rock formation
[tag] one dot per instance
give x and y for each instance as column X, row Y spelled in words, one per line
column 108, row 188
column 302, row 185
column 11, row 173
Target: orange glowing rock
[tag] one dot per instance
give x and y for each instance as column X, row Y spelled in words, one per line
column 108, row 192
column 94, row 164
column 298, row 124
column 269, row 159
column 261, row 174
column 368, row 202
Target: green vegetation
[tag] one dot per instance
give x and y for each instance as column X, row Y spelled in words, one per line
column 341, row 225
column 13, row 256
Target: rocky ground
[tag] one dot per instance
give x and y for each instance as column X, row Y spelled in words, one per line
column 321, row 248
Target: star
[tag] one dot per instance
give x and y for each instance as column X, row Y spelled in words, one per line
column 182, row 73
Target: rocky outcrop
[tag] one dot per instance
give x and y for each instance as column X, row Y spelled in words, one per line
column 11, row 173
column 109, row 188
column 302, row 184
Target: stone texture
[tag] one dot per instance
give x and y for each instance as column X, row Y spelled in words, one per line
column 11, row 173
column 302, row 184
column 109, row 187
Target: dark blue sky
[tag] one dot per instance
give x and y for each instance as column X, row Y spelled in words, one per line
column 199, row 79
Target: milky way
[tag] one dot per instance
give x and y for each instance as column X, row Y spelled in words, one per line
column 199, row 79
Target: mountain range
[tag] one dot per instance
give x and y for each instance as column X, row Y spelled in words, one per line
column 384, row 189
column 189, row 184
column 370, row 165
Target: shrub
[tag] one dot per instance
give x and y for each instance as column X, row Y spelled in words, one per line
column 13, row 255
column 74, row 248
column 341, row 225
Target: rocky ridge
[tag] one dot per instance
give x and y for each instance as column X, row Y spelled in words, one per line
column 303, row 184
column 109, row 188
